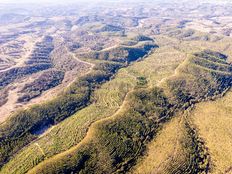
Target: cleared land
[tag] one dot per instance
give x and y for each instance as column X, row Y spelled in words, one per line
column 116, row 87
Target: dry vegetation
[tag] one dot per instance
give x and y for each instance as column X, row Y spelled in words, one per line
column 142, row 112
column 141, row 88
column 213, row 120
column 167, row 152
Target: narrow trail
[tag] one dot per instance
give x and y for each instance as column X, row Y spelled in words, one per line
column 176, row 72
column 43, row 98
column 31, row 48
column 81, row 61
column 90, row 69
column 40, row 149
column 66, row 83
column 52, row 127
column 30, row 45
column 91, row 130
column 76, row 58
column 90, row 133
column 11, row 105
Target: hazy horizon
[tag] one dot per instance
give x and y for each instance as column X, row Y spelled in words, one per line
column 75, row 1
column 43, row 1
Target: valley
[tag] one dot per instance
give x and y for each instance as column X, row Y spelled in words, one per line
column 141, row 88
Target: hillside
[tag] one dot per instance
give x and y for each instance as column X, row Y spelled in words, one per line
column 116, row 87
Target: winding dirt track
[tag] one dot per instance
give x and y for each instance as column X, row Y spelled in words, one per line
column 90, row 133
column 12, row 105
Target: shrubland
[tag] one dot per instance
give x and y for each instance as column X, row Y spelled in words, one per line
column 114, row 144
column 20, row 129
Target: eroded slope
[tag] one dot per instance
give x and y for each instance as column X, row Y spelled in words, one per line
column 113, row 144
